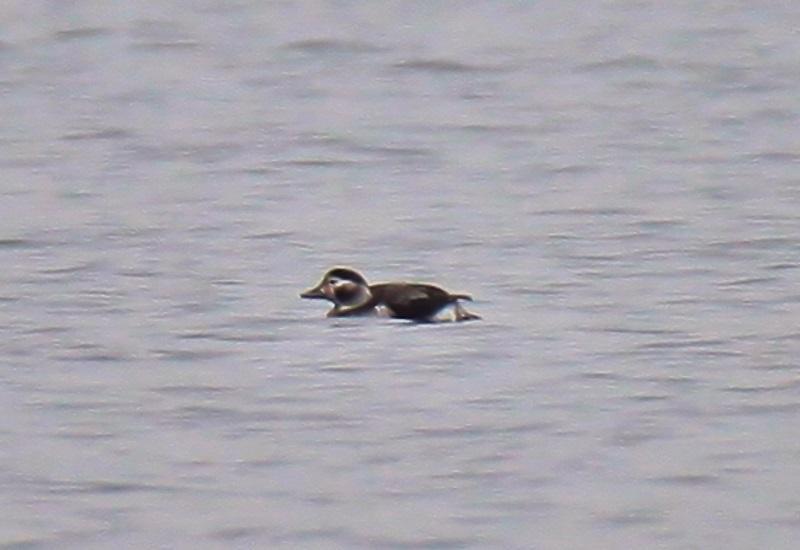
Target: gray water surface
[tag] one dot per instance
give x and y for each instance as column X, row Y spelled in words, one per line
column 615, row 182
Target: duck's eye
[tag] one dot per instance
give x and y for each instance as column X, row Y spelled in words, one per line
column 333, row 281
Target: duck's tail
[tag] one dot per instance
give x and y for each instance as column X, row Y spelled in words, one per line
column 462, row 314
column 466, row 297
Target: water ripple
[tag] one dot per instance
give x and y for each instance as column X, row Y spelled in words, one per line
column 326, row 46
column 445, row 66
column 80, row 33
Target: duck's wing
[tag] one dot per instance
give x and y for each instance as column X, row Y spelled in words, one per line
column 411, row 301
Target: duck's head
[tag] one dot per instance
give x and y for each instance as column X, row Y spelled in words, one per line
column 340, row 285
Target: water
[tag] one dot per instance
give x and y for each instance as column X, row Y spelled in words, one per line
column 616, row 184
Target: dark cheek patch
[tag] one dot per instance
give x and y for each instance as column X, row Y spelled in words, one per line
column 346, row 293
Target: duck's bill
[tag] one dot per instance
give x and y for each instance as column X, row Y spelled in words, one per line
column 315, row 292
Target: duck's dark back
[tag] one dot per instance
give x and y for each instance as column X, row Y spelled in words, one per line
column 411, row 300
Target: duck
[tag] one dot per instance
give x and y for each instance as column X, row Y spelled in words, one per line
column 351, row 295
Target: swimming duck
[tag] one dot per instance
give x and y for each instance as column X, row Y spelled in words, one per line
column 351, row 295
